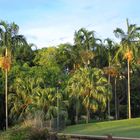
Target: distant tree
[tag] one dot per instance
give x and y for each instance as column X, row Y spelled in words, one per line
column 84, row 42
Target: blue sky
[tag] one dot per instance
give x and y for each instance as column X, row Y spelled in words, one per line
column 51, row 22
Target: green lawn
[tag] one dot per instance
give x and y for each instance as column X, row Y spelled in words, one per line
column 122, row 128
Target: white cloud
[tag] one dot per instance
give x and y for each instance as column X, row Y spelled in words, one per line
column 57, row 26
column 44, row 37
column 44, row 34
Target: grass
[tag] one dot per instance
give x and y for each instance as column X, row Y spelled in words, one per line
column 120, row 128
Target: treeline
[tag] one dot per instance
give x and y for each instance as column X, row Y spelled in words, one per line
column 92, row 79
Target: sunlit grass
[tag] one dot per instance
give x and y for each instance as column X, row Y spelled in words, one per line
column 122, row 128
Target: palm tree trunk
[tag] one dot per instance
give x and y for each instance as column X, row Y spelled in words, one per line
column 50, row 124
column 108, row 104
column 6, row 98
column 129, row 103
column 116, row 110
column 87, row 120
column 77, row 111
column 57, row 110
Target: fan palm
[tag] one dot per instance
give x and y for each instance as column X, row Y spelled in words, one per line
column 74, row 90
column 95, row 90
column 91, row 87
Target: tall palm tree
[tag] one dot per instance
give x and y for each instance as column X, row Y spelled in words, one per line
column 109, row 53
column 9, row 38
column 113, row 72
column 129, row 40
column 82, row 54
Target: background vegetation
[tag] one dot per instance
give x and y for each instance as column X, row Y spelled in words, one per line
column 90, row 79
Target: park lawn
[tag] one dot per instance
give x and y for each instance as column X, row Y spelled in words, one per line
column 120, row 128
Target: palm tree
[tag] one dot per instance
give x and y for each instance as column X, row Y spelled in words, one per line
column 128, row 48
column 84, row 42
column 84, row 39
column 91, row 87
column 96, row 90
column 113, row 72
column 9, row 38
column 22, row 97
column 74, row 88
column 110, row 48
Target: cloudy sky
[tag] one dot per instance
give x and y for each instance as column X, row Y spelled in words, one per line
column 51, row 22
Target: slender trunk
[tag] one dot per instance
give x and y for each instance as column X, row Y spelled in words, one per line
column 6, row 97
column 87, row 109
column 57, row 110
column 6, row 100
column 50, row 124
column 129, row 103
column 77, row 111
column 108, row 103
column 87, row 120
column 116, row 110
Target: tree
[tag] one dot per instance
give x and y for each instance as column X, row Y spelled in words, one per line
column 84, row 42
column 74, row 90
column 84, row 39
column 24, row 54
column 96, row 90
column 109, row 48
column 91, row 86
column 113, row 71
column 22, row 90
column 9, row 39
column 128, row 48
column 65, row 56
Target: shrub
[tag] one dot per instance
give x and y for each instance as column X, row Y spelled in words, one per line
column 39, row 134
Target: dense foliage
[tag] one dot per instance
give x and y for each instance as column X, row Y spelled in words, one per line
column 84, row 81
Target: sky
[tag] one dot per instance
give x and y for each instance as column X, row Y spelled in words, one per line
column 51, row 22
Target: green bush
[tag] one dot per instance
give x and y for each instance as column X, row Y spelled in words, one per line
column 21, row 133
column 16, row 133
column 39, row 134
column 63, row 137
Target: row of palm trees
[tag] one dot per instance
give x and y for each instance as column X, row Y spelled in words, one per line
column 89, row 66
column 127, row 49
